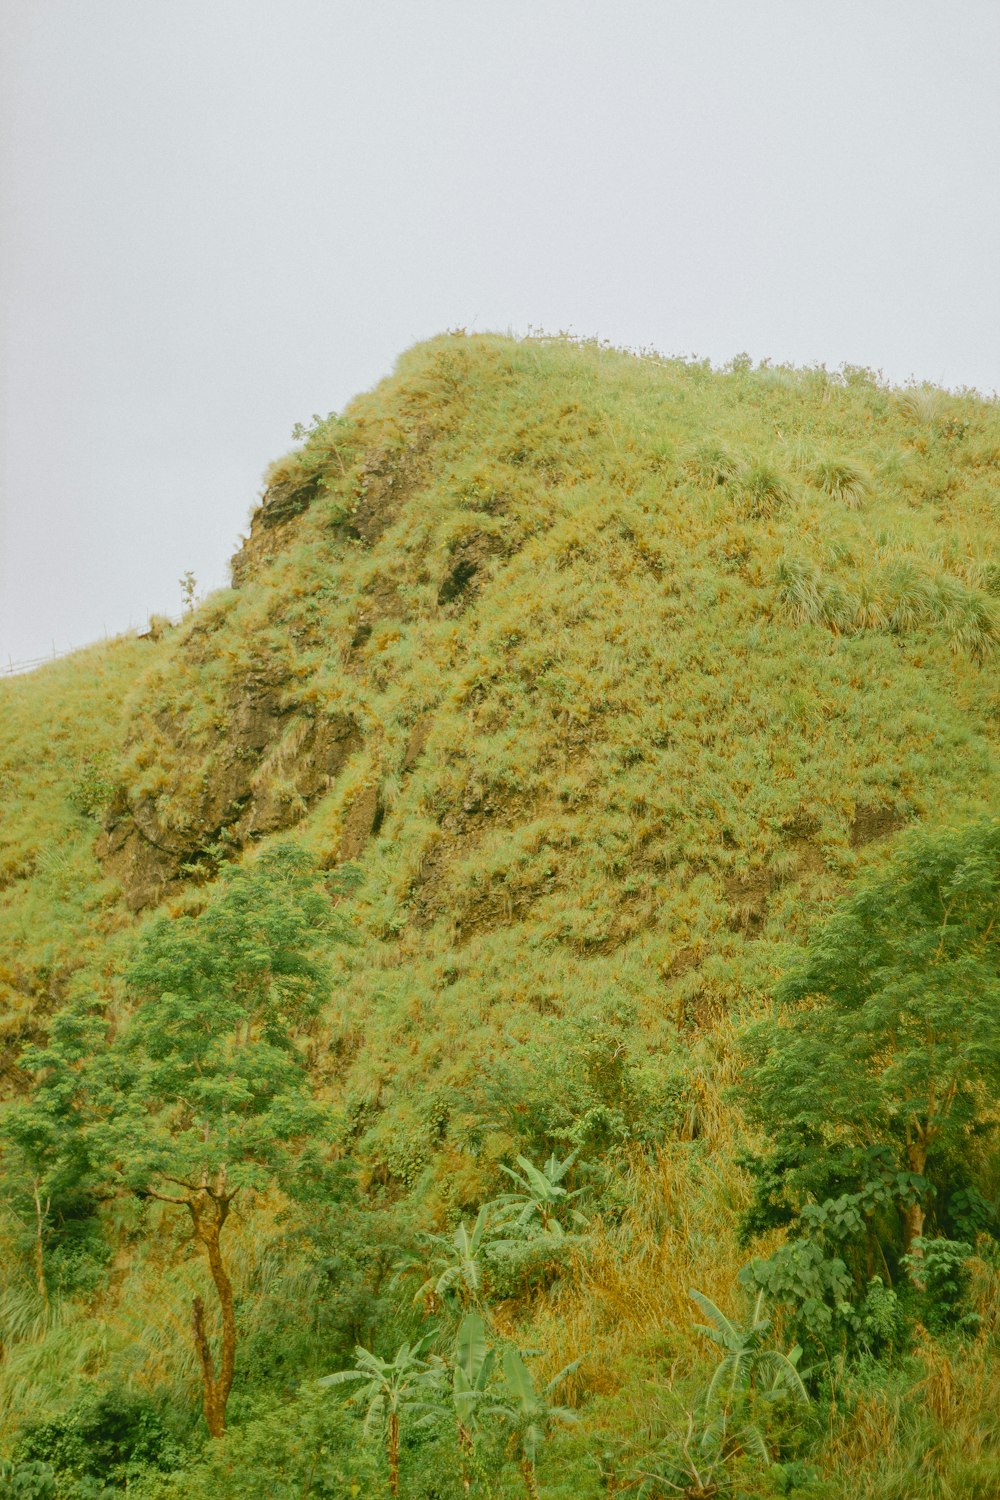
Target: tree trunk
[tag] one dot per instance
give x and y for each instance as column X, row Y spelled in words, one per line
column 40, row 1213
column 530, row 1481
column 913, row 1223
column 392, row 1445
column 465, row 1449
column 209, row 1217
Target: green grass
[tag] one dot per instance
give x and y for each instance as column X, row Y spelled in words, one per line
column 60, row 735
column 654, row 658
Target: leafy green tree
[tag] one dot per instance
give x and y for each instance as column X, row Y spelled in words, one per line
column 106, row 1437
column 289, row 1450
column 883, row 1061
column 46, row 1169
column 204, row 1096
column 819, row 1273
column 941, row 1268
column 393, row 1391
column 530, row 1413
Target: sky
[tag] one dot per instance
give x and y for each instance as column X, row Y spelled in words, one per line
column 218, row 217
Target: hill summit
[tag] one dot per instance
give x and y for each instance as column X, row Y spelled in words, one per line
column 596, row 680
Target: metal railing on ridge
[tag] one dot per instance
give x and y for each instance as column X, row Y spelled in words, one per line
column 11, row 668
column 15, row 668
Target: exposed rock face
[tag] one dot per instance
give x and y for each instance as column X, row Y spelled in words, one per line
column 387, row 478
column 272, row 764
column 271, row 525
column 363, row 819
column 273, row 758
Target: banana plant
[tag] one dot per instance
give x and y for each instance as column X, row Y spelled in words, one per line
column 457, row 1264
column 540, row 1196
column 746, row 1364
column 722, row 1429
column 408, row 1386
column 529, row 1413
column 471, row 1371
column 697, row 1462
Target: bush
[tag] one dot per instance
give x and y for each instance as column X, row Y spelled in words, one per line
column 93, row 786
column 939, row 1270
column 517, row 1268
column 307, row 1446
column 109, row 1437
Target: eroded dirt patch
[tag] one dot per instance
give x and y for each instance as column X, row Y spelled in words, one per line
column 870, row 824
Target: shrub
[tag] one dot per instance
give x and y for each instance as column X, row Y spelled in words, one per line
column 939, row 1270
column 110, row 1436
column 93, row 786
column 306, row 1446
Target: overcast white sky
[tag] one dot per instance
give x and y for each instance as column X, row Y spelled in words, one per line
column 221, row 216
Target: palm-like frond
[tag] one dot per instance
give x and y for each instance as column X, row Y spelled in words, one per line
column 375, row 1414
column 752, row 1440
column 569, row 1369
column 721, row 1331
column 342, row 1377
column 746, row 1364
column 783, row 1369
column 541, row 1193
column 456, row 1261
column 472, row 1353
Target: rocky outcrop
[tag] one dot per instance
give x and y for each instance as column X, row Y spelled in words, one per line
column 273, row 762
column 271, row 525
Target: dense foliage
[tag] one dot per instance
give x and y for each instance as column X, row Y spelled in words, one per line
column 877, row 1086
column 557, row 880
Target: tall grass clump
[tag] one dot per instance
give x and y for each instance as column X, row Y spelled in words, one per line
column 761, row 491
column 842, row 480
column 897, row 597
column 711, row 462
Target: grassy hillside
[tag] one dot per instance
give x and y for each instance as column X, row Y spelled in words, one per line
column 609, row 675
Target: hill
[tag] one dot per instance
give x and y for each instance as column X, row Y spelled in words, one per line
column 608, row 676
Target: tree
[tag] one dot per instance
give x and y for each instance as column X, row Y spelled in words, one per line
column 392, row 1390
column 45, row 1164
column 473, row 1366
column 205, row 1096
column 530, row 1413
column 882, row 1064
